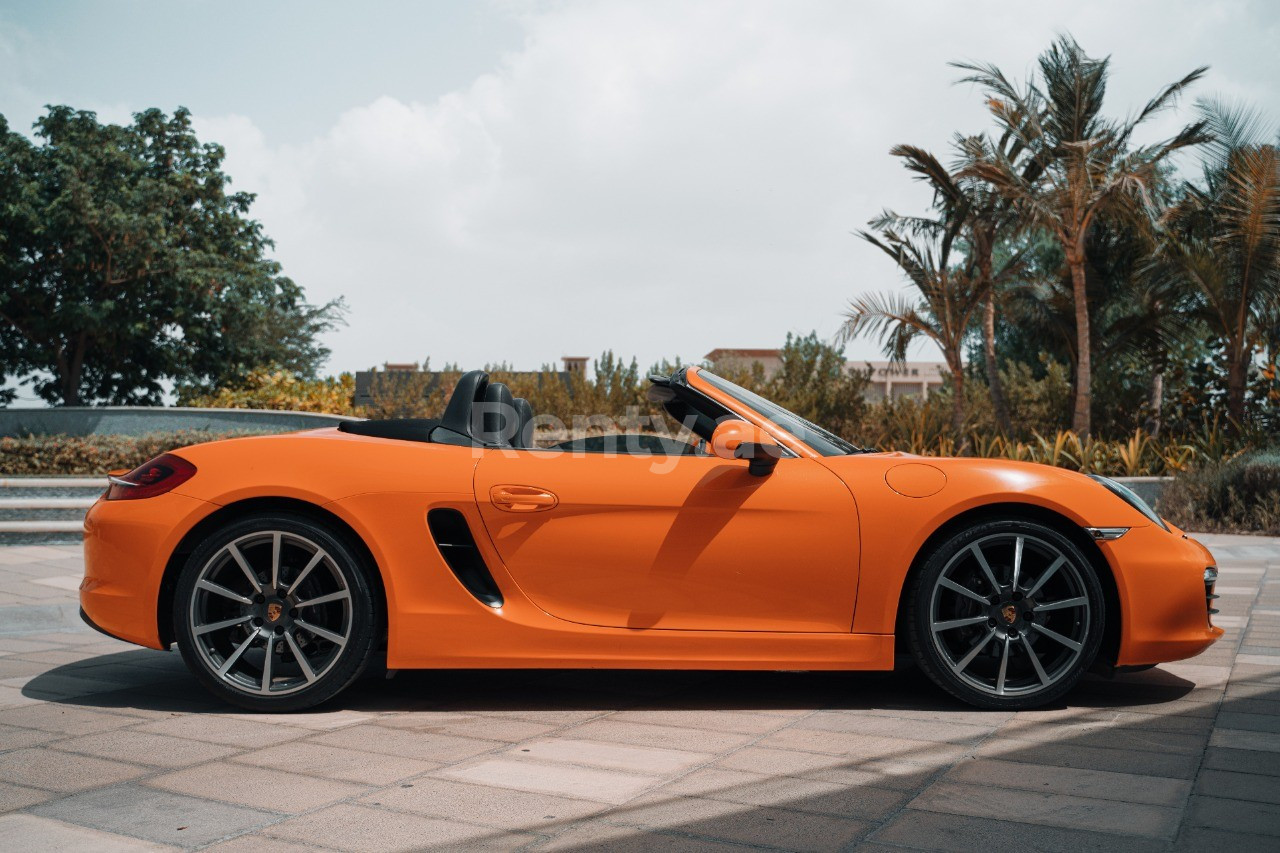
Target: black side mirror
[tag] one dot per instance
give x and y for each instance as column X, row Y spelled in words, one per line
column 762, row 457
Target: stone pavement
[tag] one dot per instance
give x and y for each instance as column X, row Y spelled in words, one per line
column 104, row 746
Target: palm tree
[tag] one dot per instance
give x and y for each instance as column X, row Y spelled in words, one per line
column 1224, row 238
column 983, row 218
column 943, row 311
column 1079, row 164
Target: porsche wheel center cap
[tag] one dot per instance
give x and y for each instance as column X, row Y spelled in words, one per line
column 274, row 609
column 1009, row 613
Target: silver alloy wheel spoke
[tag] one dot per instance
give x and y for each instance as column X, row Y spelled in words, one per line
column 210, row 586
column 1054, row 635
column 962, row 590
column 986, row 568
column 340, row 595
column 337, row 639
column 957, row 623
column 1004, row 667
column 218, row 614
column 1017, row 560
column 959, row 665
column 235, row 656
column 1064, row 603
column 303, row 663
column 1035, row 662
column 200, row 630
column 315, row 561
column 244, row 567
column 1046, row 574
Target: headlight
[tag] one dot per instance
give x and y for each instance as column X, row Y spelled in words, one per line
column 1130, row 497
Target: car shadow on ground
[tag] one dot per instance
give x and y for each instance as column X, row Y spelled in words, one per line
column 149, row 680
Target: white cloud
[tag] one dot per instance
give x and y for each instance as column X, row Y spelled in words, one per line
column 660, row 178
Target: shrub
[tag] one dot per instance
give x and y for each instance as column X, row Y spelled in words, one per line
column 1240, row 495
column 281, row 390
column 91, row 455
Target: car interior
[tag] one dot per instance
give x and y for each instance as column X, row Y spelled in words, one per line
column 485, row 413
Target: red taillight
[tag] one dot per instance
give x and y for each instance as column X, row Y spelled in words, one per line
column 162, row 474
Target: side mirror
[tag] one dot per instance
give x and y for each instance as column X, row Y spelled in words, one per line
column 734, row 439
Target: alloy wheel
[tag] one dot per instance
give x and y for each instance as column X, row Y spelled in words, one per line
column 271, row 613
column 1010, row 614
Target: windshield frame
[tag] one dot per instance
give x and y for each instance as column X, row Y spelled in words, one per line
column 819, row 441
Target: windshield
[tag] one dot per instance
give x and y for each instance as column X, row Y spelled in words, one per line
column 826, row 443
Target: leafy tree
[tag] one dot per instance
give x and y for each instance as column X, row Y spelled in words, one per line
column 1223, row 239
column 126, row 263
column 1082, row 164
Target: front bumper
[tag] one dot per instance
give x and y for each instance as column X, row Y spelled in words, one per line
column 1160, row 578
column 127, row 545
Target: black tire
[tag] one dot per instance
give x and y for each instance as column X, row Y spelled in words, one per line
column 999, row 645
column 286, row 629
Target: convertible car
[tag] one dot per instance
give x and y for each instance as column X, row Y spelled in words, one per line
column 285, row 566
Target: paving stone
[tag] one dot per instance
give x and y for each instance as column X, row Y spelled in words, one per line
column 256, row 843
column 241, row 734
column 359, row 828
column 314, row 720
column 145, row 748
column 256, row 787
column 600, row 835
column 848, row 744
column 714, row 720
column 755, row 825
column 565, row 780
column 961, row 834
column 428, row 747
column 332, row 762
column 1200, row 839
column 488, row 728
column 1238, row 721
column 667, row 737
column 1234, row 815
column 483, row 805
column 62, row 771
column 155, row 815
column 1239, row 786
column 32, row 834
column 1241, row 761
column 893, row 727
column 1091, row 758
column 614, row 756
column 14, row 797
column 13, row 737
column 807, row 795
column 881, row 772
column 64, row 719
column 1051, row 809
column 1098, row 784
column 1236, row 739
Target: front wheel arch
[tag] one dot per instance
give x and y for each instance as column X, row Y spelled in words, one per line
column 1109, row 651
column 241, row 509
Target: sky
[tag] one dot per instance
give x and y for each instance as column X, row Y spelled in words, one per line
column 493, row 182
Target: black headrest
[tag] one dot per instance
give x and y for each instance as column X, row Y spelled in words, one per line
column 469, row 391
column 499, row 421
column 524, row 417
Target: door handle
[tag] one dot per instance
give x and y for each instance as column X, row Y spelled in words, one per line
column 522, row 498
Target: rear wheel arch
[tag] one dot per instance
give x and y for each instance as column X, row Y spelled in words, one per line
column 1110, row 648
column 243, row 509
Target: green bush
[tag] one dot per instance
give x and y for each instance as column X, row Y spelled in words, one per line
column 1240, row 495
column 91, row 455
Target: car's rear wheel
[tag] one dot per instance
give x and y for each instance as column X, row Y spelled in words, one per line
column 275, row 613
column 1006, row 614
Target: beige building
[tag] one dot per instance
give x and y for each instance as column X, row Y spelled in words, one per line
column 907, row 379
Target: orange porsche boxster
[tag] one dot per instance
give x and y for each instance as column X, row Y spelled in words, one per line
column 283, row 566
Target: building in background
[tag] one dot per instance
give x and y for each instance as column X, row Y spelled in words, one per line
column 888, row 380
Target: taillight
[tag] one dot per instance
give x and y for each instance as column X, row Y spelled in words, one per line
column 162, row 474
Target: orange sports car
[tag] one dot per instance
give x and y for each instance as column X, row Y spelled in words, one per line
column 283, row 566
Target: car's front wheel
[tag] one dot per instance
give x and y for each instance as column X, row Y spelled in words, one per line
column 1006, row 614
column 275, row 613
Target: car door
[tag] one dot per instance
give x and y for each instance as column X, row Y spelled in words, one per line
column 680, row 542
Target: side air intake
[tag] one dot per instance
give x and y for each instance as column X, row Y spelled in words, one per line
column 453, row 537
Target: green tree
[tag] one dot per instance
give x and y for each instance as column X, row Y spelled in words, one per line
column 1082, row 164
column 126, row 263
column 1223, row 239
